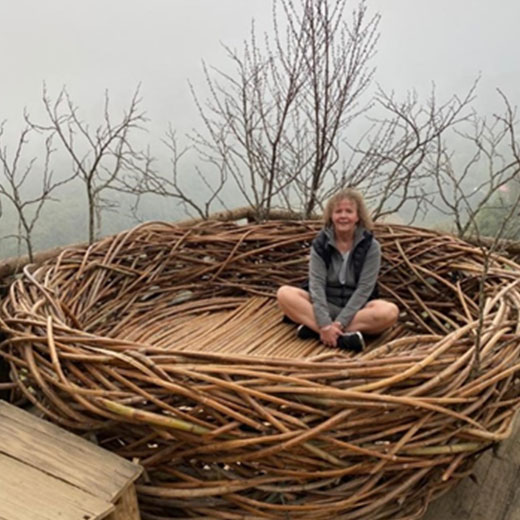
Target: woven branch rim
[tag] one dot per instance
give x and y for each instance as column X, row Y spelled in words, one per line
column 226, row 434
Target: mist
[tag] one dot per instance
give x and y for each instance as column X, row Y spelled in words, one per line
column 97, row 47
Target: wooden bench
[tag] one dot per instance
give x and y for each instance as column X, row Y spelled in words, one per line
column 47, row 473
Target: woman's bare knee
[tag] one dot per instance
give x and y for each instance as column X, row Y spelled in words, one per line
column 386, row 313
column 376, row 317
column 393, row 313
column 289, row 292
column 284, row 294
column 294, row 302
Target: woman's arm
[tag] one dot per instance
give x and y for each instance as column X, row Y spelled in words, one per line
column 367, row 282
column 317, row 283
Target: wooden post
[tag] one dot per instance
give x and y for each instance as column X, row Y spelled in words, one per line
column 127, row 507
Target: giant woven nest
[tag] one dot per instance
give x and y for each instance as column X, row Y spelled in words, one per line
column 167, row 342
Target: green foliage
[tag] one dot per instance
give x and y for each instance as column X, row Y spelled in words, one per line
column 501, row 216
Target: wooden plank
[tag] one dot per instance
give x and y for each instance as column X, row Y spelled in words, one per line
column 64, row 455
column 4, row 375
column 27, row 493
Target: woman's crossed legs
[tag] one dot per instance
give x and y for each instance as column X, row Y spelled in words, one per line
column 375, row 317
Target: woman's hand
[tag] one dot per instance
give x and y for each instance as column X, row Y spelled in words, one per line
column 339, row 326
column 330, row 333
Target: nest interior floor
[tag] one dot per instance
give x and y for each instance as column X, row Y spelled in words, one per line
column 251, row 326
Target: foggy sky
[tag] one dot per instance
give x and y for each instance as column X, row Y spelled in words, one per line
column 116, row 44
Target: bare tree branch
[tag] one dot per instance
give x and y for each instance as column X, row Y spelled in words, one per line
column 14, row 188
column 466, row 188
column 390, row 164
column 145, row 179
column 274, row 125
column 99, row 156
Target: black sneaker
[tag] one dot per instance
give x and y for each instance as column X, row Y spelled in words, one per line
column 288, row 320
column 304, row 332
column 351, row 341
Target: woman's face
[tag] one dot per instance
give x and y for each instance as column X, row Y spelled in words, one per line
column 345, row 216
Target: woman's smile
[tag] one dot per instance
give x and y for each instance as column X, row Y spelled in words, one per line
column 345, row 215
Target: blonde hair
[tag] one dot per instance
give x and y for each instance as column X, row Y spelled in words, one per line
column 354, row 196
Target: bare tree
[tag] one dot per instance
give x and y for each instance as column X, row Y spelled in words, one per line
column 337, row 66
column 19, row 176
column 489, row 251
column 145, row 179
column 465, row 189
column 99, row 156
column 274, row 126
column 390, row 164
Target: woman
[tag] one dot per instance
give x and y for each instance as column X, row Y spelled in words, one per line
column 341, row 304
